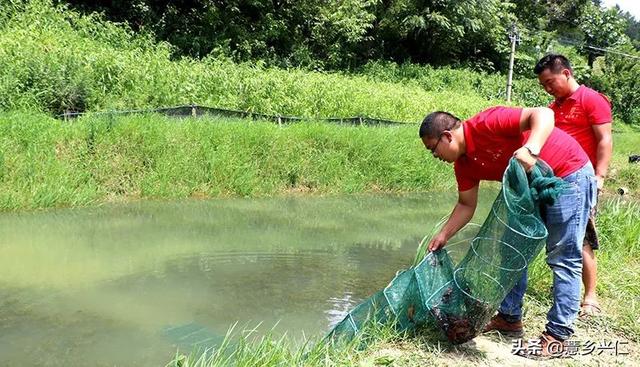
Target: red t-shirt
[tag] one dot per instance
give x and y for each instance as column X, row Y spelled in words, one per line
column 494, row 134
column 577, row 114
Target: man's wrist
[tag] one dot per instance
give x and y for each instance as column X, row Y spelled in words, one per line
column 533, row 150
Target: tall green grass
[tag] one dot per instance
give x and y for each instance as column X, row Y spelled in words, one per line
column 247, row 348
column 52, row 59
column 621, row 172
column 525, row 91
column 618, row 264
column 46, row 162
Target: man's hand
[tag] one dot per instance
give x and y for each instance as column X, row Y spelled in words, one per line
column 525, row 158
column 437, row 242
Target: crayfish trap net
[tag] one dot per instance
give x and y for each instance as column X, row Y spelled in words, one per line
column 460, row 287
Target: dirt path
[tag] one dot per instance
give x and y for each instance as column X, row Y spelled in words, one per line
column 594, row 345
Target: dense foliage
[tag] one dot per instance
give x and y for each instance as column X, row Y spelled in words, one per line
column 334, row 33
column 347, row 33
column 56, row 59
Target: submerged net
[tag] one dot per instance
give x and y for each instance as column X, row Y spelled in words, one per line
column 459, row 288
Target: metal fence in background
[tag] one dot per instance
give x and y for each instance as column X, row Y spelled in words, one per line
column 202, row 111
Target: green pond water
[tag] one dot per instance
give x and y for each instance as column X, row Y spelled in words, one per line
column 128, row 285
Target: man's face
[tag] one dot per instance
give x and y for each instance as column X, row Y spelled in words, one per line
column 556, row 84
column 442, row 147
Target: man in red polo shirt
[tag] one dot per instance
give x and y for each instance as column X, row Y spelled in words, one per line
column 480, row 149
column 586, row 115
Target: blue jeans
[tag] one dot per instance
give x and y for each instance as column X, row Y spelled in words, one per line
column 566, row 222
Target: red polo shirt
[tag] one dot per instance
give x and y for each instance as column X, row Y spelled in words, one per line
column 494, row 134
column 577, row 114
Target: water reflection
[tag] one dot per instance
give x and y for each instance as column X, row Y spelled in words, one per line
column 125, row 285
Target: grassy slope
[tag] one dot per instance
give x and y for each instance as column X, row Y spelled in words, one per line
column 51, row 163
column 53, row 60
column 46, row 162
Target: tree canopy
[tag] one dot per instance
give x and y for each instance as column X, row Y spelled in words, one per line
column 339, row 34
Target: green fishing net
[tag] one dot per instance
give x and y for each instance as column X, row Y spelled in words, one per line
column 460, row 287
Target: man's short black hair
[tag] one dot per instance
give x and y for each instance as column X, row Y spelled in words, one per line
column 553, row 62
column 436, row 123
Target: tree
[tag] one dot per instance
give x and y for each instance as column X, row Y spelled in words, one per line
column 442, row 32
column 602, row 29
column 633, row 29
column 284, row 32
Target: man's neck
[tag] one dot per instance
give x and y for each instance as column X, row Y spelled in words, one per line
column 573, row 87
column 459, row 136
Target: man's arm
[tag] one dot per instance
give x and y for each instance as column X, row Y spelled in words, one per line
column 603, row 151
column 540, row 120
column 461, row 215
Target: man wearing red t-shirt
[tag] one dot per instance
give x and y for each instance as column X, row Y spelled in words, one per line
column 480, row 149
column 586, row 115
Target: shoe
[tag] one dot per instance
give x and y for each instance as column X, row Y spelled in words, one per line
column 504, row 327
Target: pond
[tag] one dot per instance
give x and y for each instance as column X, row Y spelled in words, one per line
column 128, row 284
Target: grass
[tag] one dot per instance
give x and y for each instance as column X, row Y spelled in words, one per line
column 46, row 162
column 246, row 348
column 53, row 60
column 621, row 172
